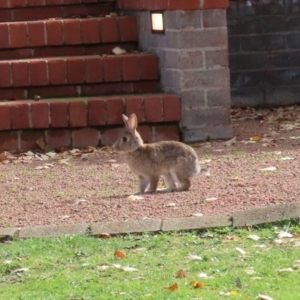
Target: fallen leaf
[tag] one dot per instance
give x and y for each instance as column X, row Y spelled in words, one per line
column 286, row 158
column 191, row 257
column 41, row 143
column 118, row 51
column 20, row 270
column 198, row 215
column 253, row 237
column 134, row 198
column 104, row 235
column 181, row 274
column 255, row 138
column 119, row 254
column 102, row 267
column 197, row 284
column 240, row 251
column 231, row 238
column 171, row 204
column 269, row 169
column 285, row 270
column 211, row 199
column 264, row 297
column 172, row 288
column 129, row 269
column 284, row 234
column 41, row 167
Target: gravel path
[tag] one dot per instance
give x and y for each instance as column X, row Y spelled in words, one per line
column 94, row 185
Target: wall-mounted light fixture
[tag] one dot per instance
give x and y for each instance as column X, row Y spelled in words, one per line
column 157, row 22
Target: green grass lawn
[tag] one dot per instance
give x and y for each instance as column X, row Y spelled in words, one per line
column 82, row 267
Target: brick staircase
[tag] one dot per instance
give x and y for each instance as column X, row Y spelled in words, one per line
column 60, row 82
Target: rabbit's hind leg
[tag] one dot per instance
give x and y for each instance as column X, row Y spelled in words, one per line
column 184, row 183
column 171, row 186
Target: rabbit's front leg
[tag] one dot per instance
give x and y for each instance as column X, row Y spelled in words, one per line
column 144, row 182
column 153, row 184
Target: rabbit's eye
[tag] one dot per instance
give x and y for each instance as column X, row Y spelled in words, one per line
column 124, row 139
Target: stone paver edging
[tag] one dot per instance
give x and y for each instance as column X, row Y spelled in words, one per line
column 239, row 218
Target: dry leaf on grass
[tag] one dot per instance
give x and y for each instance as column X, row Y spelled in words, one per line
column 192, row 257
column 104, row 235
column 241, row 251
column 181, row 274
column 172, row 288
column 197, row 284
column 119, row 254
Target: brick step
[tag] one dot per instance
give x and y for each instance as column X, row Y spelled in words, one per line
column 81, row 122
column 25, row 10
column 78, row 76
column 76, row 50
column 68, row 32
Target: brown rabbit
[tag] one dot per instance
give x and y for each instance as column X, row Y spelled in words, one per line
column 174, row 161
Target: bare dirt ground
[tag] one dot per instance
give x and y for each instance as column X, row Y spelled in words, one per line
column 260, row 166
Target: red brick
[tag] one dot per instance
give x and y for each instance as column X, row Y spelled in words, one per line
column 53, row 2
column 186, row 5
column 18, row 35
column 9, row 141
column 38, row 72
column 28, row 139
column 6, row 15
column 43, row 13
column 4, row 4
column 166, row 133
column 153, row 109
column 12, row 94
column 4, row 41
column 53, row 91
column 171, row 108
column 58, row 138
column 85, row 137
column 114, row 109
column 17, row 3
column 145, row 86
column 109, row 136
column 90, row 31
column 40, row 115
column 35, row 2
column 20, row 116
column 109, row 30
column 57, row 71
column 74, row 10
column 128, row 29
column 59, row 115
column 106, row 89
column 75, row 70
column 146, row 133
column 77, row 113
column 135, row 105
column 72, row 31
column 93, row 69
column 36, row 33
column 209, row 4
column 5, row 123
column 149, row 66
column 96, row 112
column 112, row 68
column 131, row 67
column 54, row 33
column 5, row 74
column 20, row 73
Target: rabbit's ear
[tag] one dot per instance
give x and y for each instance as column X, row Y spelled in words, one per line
column 125, row 120
column 132, row 122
